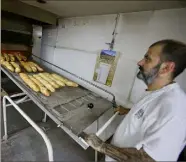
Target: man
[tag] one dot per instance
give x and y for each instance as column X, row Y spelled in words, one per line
column 155, row 127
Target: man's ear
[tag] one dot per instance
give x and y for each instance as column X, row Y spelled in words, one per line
column 167, row 67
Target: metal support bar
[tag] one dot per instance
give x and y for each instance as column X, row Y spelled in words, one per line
column 8, row 105
column 102, row 129
column 17, row 95
column 30, row 121
column 96, row 152
column 5, row 119
column 44, row 118
column 22, row 100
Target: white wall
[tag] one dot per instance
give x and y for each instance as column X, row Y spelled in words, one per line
column 81, row 38
column 36, row 37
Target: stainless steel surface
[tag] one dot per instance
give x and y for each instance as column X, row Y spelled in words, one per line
column 67, row 106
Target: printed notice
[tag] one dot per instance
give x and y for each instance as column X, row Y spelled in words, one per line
column 105, row 67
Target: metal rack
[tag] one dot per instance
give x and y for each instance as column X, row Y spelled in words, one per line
column 67, row 107
column 29, row 120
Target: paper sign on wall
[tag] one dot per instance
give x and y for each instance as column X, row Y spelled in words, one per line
column 105, row 67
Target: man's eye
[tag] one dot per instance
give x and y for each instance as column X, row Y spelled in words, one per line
column 147, row 59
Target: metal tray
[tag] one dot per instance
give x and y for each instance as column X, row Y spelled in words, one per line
column 67, row 106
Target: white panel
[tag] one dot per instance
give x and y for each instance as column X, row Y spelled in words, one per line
column 37, row 34
column 49, row 35
column 132, row 39
column 76, row 62
column 139, row 30
column 86, row 33
column 47, row 54
column 168, row 24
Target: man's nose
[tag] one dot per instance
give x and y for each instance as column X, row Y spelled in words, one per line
column 140, row 63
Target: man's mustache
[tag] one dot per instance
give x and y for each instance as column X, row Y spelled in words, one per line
column 141, row 68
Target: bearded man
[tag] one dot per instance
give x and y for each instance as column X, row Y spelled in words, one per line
column 155, row 127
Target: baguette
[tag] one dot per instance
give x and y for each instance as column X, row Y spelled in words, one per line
column 58, row 77
column 26, row 66
column 53, row 83
column 34, row 69
column 7, row 65
column 12, row 58
column 71, row 84
column 6, row 57
column 18, row 57
column 45, row 83
column 66, row 81
column 59, row 82
column 37, row 66
column 22, row 57
column 29, row 82
column 16, row 66
column 2, row 57
column 29, row 67
column 43, row 90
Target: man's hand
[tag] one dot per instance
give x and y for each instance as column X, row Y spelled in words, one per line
column 122, row 110
column 119, row 154
column 93, row 141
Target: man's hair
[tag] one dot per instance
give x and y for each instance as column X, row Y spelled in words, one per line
column 173, row 51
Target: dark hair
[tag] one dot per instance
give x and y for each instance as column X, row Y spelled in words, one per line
column 173, row 51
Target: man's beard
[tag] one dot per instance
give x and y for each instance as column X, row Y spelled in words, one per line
column 148, row 77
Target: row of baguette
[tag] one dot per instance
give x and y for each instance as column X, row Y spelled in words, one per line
column 12, row 57
column 31, row 66
column 28, row 66
column 46, row 83
column 12, row 66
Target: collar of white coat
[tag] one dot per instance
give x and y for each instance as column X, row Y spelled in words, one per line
column 151, row 95
column 165, row 88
